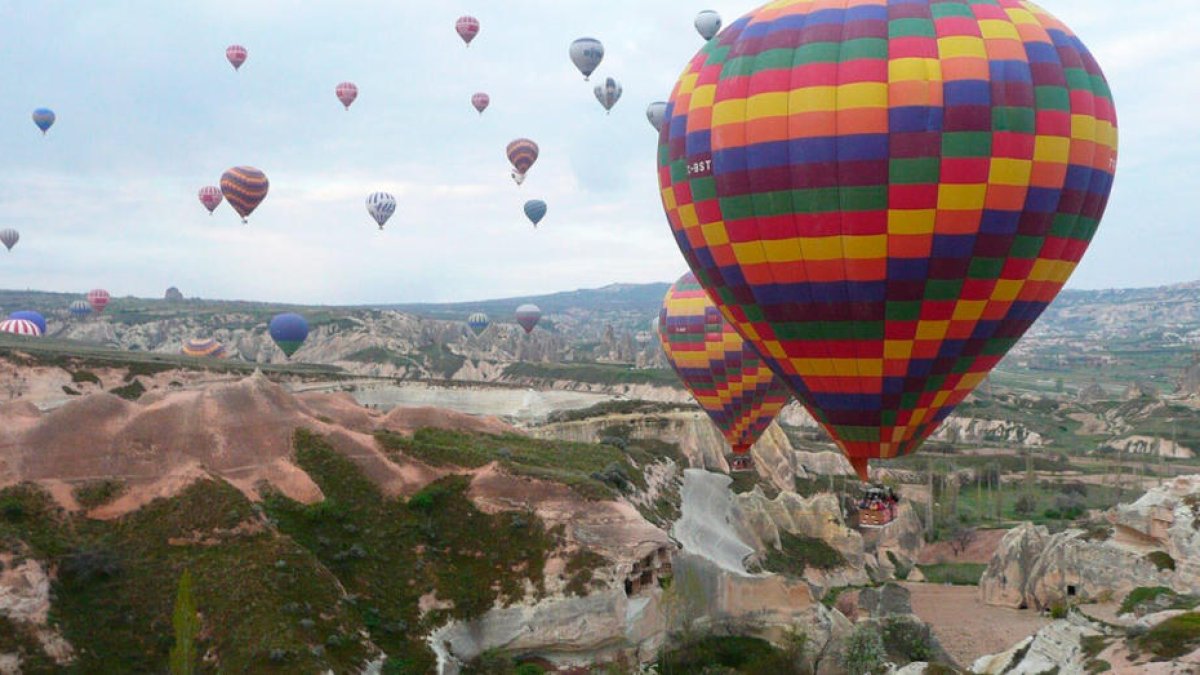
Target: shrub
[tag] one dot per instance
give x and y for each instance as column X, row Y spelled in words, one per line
column 1172, row 638
column 1058, row 610
column 98, row 492
column 907, row 638
column 1161, row 560
column 1025, row 505
column 864, row 653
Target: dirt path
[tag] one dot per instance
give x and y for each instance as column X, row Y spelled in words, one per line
column 966, row 627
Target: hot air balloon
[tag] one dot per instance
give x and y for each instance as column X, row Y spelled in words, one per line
column 657, row 112
column 98, row 299
column 80, row 309
column 210, row 197
column 478, row 322
column 381, row 206
column 203, row 348
column 244, row 187
column 9, row 237
column 346, row 93
column 883, row 201
column 236, row 55
column 708, row 23
column 608, row 93
column 481, row 101
column 528, row 316
column 643, row 337
column 44, row 119
column 535, row 210
column 467, row 28
column 722, row 371
column 586, row 54
column 35, row 317
column 289, row 331
column 522, row 153
column 173, row 294
column 20, row 327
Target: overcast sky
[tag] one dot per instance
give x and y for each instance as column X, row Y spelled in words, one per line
column 149, row 111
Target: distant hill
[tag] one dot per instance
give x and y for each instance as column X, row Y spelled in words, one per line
column 636, row 298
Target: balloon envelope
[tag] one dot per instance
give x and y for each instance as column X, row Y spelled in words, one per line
column 210, row 197
column 98, row 299
column 203, row 348
column 289, row 331
column 79, row 308
column 657, row 112
column 528, row 316
column 722, row 371
column 236, row 55
column 586, row 54
column 29, row 315
column 535, row 210
column 381, row 206
column 708, row 24
column 480, row 101
column 478, row 322
column 608, row 93
column 467, row 28
column 885, row 248
column 9, row 237
column 346, row 93
column 522, row 153
column 244, row 187
column 20, row 327
column 44, row 119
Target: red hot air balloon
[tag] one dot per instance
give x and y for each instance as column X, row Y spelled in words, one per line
column 528, row 316
column 467, row 28
column 244, row 188
column 883, row 197
column 522, row 153
column 236, row 55
column 346, row 93
column 98, row 299
column 726, row 376
column 210, row 197
column 481, row 101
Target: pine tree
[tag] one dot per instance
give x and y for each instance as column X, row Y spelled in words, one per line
column 187, row 625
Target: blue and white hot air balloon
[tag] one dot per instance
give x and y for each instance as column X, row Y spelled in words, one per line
column 608, row 93
column 586, row 54
column 44, row 119
column 381, row 206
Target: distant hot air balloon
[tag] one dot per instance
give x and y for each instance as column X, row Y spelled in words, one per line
column 586, row 54
column 643, row 337
column 481, row 101
column 722, row 371
column 9, row 237
column 203, row 348
column 20, row 327
column 173, row 295
column 657, row 112
column 708, row 24
column 289, row 331
column 381, row 206
column 522, row 153
column 884, row 222
column 467, row 28
column 29, row 315
column 80, row 309
column 44, row 119
column 210, row 197
column 244, row 187
column 478, row 322
column 608, row 93
column 346, row 93
column 528, row 316
column 236, row 55
column 535, row 210
column 98, row 299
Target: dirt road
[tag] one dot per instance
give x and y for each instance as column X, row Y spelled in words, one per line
column 966, row 627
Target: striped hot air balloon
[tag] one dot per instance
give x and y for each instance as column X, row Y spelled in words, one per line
column 381, row 206
column 289, row 331
column 203, row 348
column 9, row 237
column 480, row 101
column 725, row 375
column 528, row 316
column 236, row 55
column 98, row 299
column 210, row 197
column 244, row 188
column 608, row 93
column 20, row 327
column 884, row 196
column 467, row 28
column 478, row 322
column 30, row 315
column 522, row 153
column 80, row 309
column 346, row 93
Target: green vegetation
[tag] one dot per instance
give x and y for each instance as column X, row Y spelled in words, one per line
column 98, row 492
column 84, row 376
column 865, row 652
column 581, row 568
column 617, row 407
column 907, row 640
column 800, row 552
column 593, row 373
column 1172, row 638
column 187, row 625
column 1161, row 560
column 740, row 654
column 380, row 355
column 441, row 361
column 130, row 392
column 959, row 574
column 1157, row 597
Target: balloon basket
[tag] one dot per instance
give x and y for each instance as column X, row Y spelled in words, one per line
column 741, row 464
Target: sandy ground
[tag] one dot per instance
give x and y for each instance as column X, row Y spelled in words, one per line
column 966, row 627
column 980, row 551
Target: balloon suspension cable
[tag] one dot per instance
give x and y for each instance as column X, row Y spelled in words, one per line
column 860, row 467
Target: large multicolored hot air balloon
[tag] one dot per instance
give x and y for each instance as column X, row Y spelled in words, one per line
column 44, row 119
column 381, row 206
column 467, row 28
column 535, row 210
column 236, row 55
column 725, row 375
column 528, row 316
column 244, row 188
column 79, row 309
column 20, row 327
column 9, row 237
column 478, row 322
column 29, row 315
column 587, row 53
column 97, row 298
column 346, row 93
column 657, row 113
column 210, row 197
column 289, row 331
column 480, row 101
column 708, row 24
column 883, row 198
column 522, row 153
column 203, row 348
column 608, row 93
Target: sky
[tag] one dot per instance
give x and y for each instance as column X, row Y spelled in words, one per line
column 149, row 111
